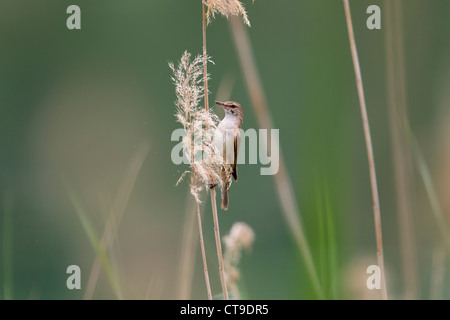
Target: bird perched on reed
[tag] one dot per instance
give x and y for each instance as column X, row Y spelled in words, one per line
column 227, row 138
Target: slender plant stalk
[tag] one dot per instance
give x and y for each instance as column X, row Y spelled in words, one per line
column 401, row 146
column 365, row 120
column 205, row 58
column 283, row 184
column 189, row 248
column 199, row 220
column 199, row 216
column 202, row 246
column 218, row 244
column 213, row 192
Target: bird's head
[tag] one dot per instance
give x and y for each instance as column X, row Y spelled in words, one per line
column 232, row 108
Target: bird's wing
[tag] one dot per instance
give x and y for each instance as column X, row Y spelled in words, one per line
column 236, row 149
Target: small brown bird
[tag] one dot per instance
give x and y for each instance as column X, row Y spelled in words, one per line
column 227, row 139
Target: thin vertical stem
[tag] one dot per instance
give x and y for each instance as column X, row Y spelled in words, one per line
column 194, row 181
column 189, row 248
column 365, row 120
column 213, row 192
column 202, row 246
column 205, row 58
column 199, row 217
column 218, row 244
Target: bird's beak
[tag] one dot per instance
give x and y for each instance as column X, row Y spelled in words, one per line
column 220, row 103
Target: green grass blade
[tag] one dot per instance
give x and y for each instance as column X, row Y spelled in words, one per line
column 431, row 192
column 95, row 242
column 332, row 246
column 322, row 241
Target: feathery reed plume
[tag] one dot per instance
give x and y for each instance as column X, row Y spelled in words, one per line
column 241, row 237
column 365, row 120
column 199, row 125
column 226, row 8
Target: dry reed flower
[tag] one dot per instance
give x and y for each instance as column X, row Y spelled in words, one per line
column 241, row 237
column 199, row 125
column 226, row 8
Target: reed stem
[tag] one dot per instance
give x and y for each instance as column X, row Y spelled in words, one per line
column 202, row 246
column 213, row 192
column 218, row 244
column 373, row 176
column 205, row 58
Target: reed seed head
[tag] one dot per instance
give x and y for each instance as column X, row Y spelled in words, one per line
column 240, row 238
column 226, row 8
column 204, row 158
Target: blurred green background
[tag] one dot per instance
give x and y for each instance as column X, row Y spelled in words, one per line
column 77, row 107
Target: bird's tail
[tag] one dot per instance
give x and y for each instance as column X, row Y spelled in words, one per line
column 225, row 197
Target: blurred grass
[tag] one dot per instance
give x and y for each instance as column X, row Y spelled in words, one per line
column 332, row 247
column 436, row 209
column 99, row 249
column 327, row 242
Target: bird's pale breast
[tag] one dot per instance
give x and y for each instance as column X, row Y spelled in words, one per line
column 227, row 132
